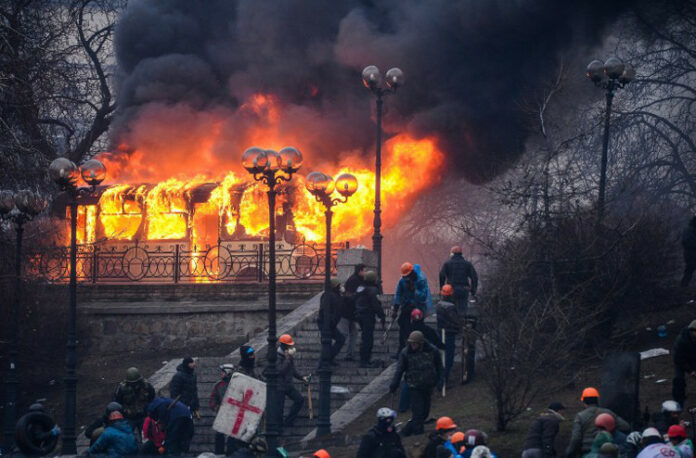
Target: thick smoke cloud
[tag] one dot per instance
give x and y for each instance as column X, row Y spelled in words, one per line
column 468, row 64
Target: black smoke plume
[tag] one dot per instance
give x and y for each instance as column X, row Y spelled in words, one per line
column 467, row 63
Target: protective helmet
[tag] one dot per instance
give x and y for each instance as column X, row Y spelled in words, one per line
column 258, row 444
column 133, row 374
column 456, row 250
column 671, row 406
column 321, row 454
column 634, row 438
column 227, row 368
column 589, row 392
column 651, row 432
column 416, row 337
column 245, row 351
column 447, row 290
column 335, row 283
column 416, row 314
column 445, row 424
column 115, row 415
column 676, row 431
column 113, row 405
column 474, row 437
column 385, row 412
column 286, row 339
column 457, row 437
column 371, row 276
column 609, row 449
column 605, row 421
column 692, row 325
column 481, row 451
column 36, row 407
column 406, row 268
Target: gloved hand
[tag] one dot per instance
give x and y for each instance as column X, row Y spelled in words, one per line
column 56, row 430
column 197, row 415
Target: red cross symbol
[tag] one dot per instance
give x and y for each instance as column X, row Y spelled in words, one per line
column 243, row 406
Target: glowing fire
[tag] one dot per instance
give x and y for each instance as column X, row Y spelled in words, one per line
column 204, row 208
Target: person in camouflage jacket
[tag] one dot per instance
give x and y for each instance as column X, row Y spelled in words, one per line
column 134, row 394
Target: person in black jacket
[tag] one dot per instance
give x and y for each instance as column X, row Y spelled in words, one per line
column 419, row 363
column 541, row 438
column 382, row 440
column 431, row 336
column 329, row 308
column 184, row 385
column 349, row 321
column 367, row 307
column 100, row 423
column 285, row 364
column 448, row 320
column 684, row 355
column 461, row 274
column 689, row 247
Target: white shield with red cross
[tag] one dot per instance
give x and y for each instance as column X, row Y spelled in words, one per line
column 242, row 407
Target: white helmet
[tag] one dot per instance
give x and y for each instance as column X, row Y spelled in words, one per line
column 227, row 368
column 671, row 406
column 651, row 432
column 385, row 412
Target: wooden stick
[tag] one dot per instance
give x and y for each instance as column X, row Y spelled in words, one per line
column 444, row 388
column 309, row 400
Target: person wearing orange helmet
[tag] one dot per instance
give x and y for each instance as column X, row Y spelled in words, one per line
column 461, row 274
column 444, row 429
column 117, row 439
column 584, row 428
column 449, row 321
column 321, row 453
column 411, row 293
column 286, row 373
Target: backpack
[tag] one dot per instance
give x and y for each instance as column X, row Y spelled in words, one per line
column 420, row 372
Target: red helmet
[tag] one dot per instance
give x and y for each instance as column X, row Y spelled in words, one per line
column 676, row 431
column 416, row 314
column 447, row 290
column 605, row 421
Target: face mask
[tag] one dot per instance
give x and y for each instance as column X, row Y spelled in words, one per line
column 292, row 351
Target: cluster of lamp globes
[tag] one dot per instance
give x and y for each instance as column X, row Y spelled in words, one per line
column 613, row 69
column 25, row 203
column 289, row 160
column 65, row 173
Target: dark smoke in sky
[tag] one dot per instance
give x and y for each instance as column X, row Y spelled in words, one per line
column 467, row 64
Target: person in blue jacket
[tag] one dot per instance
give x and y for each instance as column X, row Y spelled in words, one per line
column 178, row 423
column 411, row 293
column 116, row 440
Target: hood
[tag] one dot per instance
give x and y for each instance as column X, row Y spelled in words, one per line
column 184, row 368
column 153, row 406
column 123, row 426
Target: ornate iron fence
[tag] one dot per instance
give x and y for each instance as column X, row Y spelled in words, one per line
column 176, row 263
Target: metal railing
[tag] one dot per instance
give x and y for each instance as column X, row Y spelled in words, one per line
column 177, row 263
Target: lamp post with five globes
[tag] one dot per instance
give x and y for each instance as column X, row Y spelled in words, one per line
column 372, row 79
column 610, row 75
column 321, row 186
column 266, row 166
column 19, row 208
column 65, row 173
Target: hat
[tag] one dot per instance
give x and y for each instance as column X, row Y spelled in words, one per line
column 113, row 405
column 406, row 269
column 416, row 337
column 416, row 314
column 186, row 361
column 445, row 424
column 556, row 406
column 457, row 437
column 321, row 454
column 245, row 351
column 676, row 431
column 456, row 249
column 609, row 448
column 589, row 392
column 447, row 290
column 692, row 325
column 335, row 283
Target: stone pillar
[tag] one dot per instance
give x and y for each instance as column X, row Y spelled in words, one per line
column 348, row 259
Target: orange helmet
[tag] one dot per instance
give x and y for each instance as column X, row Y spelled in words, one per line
column 444, row 424
column 321, row 454
column 115, row 415
column 447, row 290
column 456, row 249
column 286, row 339
column 605, row 421
column 457, row 437
column 406, row 268
column 589, row 392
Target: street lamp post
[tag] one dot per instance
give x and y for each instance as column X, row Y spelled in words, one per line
column 321, row 186
column 372, row 79
column 265, row 166
column 19, row 208
column 610, row 76
column 65, row 173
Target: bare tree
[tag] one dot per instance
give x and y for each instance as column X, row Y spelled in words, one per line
column 56, row 97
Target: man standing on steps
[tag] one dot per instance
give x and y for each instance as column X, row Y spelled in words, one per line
column 448, row 320
column 349, row 322
column 420, row 364
column 134, row 394
column 216, row 398
column 368, row 307
column 285, row 364
column 461, row 274
column 184, row 385
column 329, row 306
column 247, row 362
column 411, row 293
